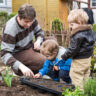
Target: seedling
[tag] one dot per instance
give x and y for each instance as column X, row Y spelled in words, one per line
column 7, row 76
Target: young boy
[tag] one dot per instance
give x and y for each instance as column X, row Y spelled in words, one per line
column 52, row 66
column 81, row 46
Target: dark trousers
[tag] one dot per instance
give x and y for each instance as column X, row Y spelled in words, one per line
column 30, row 58
column 56, row 75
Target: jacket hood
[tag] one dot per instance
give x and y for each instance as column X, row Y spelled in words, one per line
column 75, row 28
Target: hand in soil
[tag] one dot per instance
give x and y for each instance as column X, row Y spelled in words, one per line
column 26, row 71
column 37, row 75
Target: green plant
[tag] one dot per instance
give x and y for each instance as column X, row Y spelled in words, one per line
column 0, row 47
column 3, row 17
column 93, row 61
column 57, row 25
column 3, row 14
column 11, row 15
column 94, row 27
column 7, row 76
column 76, row 92
column 90, row 87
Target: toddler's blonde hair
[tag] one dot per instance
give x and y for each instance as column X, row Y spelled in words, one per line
column 50, row 48
column 78, row 15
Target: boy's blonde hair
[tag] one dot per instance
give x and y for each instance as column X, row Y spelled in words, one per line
column 50, row 49
column 78, row 15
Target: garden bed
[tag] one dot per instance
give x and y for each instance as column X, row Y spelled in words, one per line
column 17, row 89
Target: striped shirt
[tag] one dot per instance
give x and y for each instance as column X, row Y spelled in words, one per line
column 15, row 39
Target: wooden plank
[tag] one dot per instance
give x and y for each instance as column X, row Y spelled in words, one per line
column 17, row 3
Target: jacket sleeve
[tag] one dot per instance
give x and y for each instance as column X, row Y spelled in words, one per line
column 74, row 47
column 45, row 68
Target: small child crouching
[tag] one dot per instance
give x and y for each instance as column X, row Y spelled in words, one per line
column 52, row 66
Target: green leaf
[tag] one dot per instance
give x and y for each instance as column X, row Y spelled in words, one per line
column 7, row 77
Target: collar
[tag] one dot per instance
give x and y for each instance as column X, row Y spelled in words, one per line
column 77, row 27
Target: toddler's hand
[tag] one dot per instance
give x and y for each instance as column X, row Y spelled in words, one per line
column 56, row 68
column 37, row 75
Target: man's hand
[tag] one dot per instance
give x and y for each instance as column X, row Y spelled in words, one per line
column 25, row 70
column 37, row 75
column 37, row 45
column 56, row 68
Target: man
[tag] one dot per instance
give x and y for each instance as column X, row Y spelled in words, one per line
column 17, row 48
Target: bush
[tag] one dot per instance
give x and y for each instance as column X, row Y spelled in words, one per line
column 76, row 92
column 94, row 27
column 11, row 15
column 90, row 87
column 57, row 25
column 3, row 14
column 3, row 17
column 0, row 47
column 93, row 61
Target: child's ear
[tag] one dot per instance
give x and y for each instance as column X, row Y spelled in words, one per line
column 55, row 53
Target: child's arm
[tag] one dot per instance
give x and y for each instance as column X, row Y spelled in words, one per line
column 74, row 47
column 45, row 69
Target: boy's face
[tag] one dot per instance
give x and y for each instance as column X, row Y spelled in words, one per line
column 52, row 57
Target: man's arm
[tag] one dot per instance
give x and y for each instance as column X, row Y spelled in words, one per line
column 39, row 35
column 7, row 49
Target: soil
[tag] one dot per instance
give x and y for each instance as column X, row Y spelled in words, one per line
column 17, row 89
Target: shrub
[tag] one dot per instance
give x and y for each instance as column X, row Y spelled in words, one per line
column 3, row 14
column 93, row 61
column 57, row 25
column 90, row 87
column 0, row 47
column 76, row 92
column 11, row 15
column 3, row 17
column 94, row 27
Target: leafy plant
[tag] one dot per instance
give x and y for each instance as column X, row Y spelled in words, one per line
column 76, row 92
column 0, row 47
column 93, row 61
column 90, row 87
column 94, row 27
column 57, row 25
column 3, row 17
column 11, row 15
column 7, row 76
